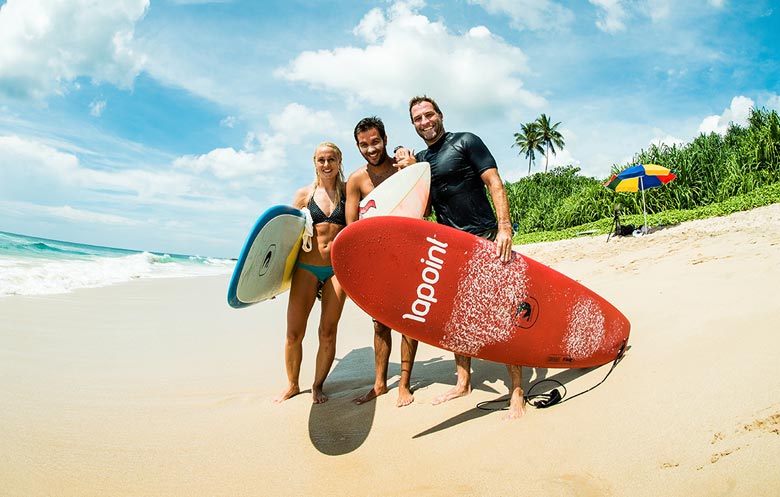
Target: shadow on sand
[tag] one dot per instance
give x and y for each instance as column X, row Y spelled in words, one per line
column 485, row 371
column 338, row 426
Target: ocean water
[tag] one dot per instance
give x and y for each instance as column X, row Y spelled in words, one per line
column 38, row 266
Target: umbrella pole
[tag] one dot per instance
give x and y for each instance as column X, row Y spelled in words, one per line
column 644, row 206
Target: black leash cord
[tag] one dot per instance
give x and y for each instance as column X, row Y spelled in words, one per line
column 553, row 397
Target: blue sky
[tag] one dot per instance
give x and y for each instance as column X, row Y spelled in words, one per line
column 170, row 125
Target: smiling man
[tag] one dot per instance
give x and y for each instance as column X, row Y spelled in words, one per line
column 371, row 140
column 463, row 171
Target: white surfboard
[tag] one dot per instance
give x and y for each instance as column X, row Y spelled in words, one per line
column 405, row 193
column 265, row 266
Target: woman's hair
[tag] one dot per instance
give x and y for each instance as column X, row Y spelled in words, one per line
column 340, row 185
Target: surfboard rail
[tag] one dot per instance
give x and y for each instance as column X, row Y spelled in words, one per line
column 267, row 260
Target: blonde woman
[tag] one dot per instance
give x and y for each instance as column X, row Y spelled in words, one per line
column 313, row 273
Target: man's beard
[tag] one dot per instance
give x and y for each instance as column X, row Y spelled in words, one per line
column 380, row 161
column 437, row 131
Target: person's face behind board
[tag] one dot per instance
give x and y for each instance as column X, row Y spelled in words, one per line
column 372, row 146
column 427, row 122
column 326, row 162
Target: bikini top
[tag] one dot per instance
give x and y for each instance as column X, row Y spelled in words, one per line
column 336, row 217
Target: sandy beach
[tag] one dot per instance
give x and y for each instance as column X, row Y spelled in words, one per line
column 159, row 388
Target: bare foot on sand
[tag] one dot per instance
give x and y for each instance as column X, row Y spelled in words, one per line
column 453, row 393
column 516, row 406
column 371, row 395
column 405, row 397
column 290, row 391
column 318, row 396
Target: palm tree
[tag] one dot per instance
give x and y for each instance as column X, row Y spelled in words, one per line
column 530, row 141
column 550, row 137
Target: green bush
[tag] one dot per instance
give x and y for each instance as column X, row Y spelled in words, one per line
column 716, row 175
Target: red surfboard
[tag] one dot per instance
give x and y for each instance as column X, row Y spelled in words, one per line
column 447, row 288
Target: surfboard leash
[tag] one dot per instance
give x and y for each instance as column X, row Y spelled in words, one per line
column 553, row 397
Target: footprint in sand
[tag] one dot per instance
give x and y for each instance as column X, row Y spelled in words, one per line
column 770, row 424
column 718, row 456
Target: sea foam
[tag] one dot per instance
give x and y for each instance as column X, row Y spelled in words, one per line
column 31, row 266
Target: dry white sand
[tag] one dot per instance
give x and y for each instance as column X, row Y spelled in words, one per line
column 157, row 388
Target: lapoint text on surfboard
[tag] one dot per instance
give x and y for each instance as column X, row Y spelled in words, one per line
column 426, row 293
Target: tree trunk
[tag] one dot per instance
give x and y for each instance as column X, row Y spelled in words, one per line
column 546, row 157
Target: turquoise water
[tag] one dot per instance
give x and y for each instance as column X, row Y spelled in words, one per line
column 39, row 266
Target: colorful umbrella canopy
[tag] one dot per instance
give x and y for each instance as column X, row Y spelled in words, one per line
column 640, row 178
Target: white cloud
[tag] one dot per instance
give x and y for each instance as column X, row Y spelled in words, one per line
column 299, row 119
column 226, row 163
column 263, row 152
column 560, row 158
column 229, row 122
column 407, row 54
column 663, row 138
column 82, row 216
column 773, row 102
column 29, row 168
column 97, row 107
column 738, row 113
column 371, row 26
column 21, row 156
column 613, row 17
column 659, row 10
column 535, row 15
column 47, row 44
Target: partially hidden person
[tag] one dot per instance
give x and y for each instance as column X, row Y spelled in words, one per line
column 371, row 140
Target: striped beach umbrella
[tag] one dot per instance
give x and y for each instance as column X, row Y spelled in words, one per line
column 640, row 178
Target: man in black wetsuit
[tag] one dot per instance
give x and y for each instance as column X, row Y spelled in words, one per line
column 461, row 168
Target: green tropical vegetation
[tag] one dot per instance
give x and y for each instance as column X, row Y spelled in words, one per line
column 716, row 175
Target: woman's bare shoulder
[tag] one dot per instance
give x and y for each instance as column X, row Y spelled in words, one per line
column 302, row 196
